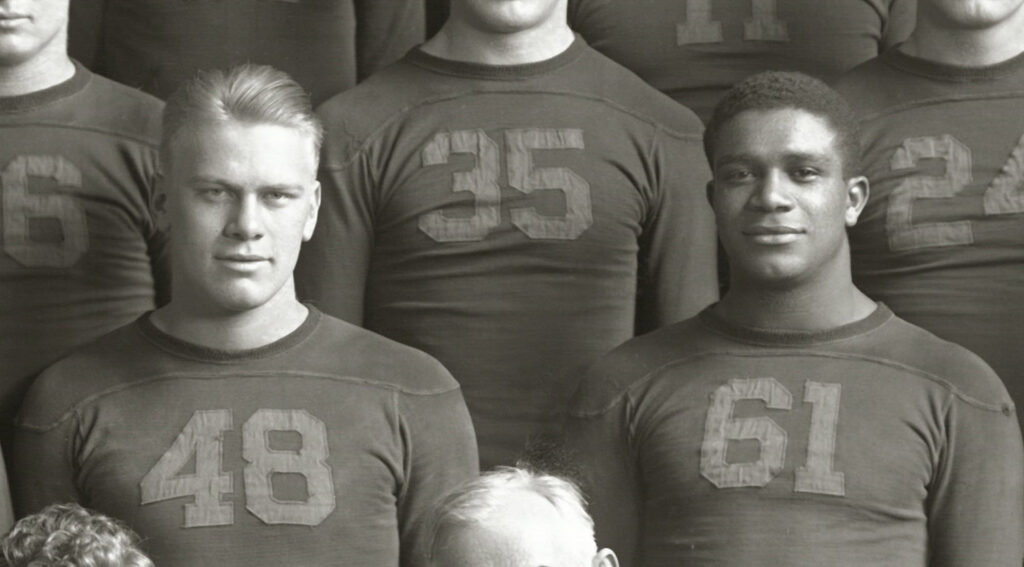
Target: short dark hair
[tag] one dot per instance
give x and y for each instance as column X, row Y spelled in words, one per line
column 776, row 90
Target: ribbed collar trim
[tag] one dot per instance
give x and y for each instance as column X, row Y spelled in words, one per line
column 789, row 338
column 467, row 69
column 193, row 351
column 951, row 73
column 72, row 86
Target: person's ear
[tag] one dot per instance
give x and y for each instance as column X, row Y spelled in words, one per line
column 314, row 209
column 857, row 192
column 605, row 558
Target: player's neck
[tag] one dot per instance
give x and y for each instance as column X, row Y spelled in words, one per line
column 48, row 68
column 819, row 304
column 191, row 321
column 966, row 47
column 458, row 41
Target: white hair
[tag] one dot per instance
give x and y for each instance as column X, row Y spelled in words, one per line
column 480, row 501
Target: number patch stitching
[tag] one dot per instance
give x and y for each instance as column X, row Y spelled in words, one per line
column 1005, row 195
column 203, row 437
column 483, row 182
column 764, row 24
column 817, row 474
column 21, row 206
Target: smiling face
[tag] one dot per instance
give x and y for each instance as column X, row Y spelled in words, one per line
column 29, row 28
column 239, row 199
column 780, row 198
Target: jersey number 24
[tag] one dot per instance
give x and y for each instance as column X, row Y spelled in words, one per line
column 1004, row 196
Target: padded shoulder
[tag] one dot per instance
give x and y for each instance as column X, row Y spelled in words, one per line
column 621, row 87
column 608, row 379
column 965, row 373
column 351, row 350
column 83, row 374
column 121, row 110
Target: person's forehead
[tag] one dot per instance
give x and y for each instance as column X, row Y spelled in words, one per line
column 196, row 140
column 776, row 132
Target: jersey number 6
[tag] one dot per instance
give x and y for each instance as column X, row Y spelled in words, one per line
column 22, row 206
column 482, row 182
column 203, row 437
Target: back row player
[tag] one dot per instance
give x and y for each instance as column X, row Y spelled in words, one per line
column 693, row 50
column 942, row 238
column 81, row 254
column 497, row 198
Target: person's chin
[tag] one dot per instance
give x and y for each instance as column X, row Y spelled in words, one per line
column 774, row 273
column 243, row 298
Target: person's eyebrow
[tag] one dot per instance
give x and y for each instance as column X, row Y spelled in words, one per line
column 210, row 180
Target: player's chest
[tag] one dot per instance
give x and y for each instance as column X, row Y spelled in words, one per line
column 543, row 178
column 237, row 459
column 794, row 428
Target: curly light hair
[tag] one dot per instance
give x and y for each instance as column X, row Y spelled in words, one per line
column 67, row 535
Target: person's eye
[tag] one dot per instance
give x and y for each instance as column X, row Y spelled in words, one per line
column 213, row 193
column 277, row 196
column 737, row 175
column 806, row 173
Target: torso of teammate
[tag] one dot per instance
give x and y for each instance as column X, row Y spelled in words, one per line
column 942, row 238
column 828, row 448
column 295, row 453
column 508, row 216
column 157, row 44
column 693, row 50
column 79, row 246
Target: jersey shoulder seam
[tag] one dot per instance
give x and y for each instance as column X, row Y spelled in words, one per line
column 76, row 407
column 370, row 137
column 919, row 103
column 946, row 384
column 151, row 143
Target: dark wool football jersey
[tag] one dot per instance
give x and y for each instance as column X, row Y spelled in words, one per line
column 326, row 447
column 325, row 45
column 942, row 238
column 874, row 443
column 694, row 50
column 81, row 251
column 497, row 217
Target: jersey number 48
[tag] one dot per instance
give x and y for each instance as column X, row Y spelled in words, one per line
column 203, row 438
